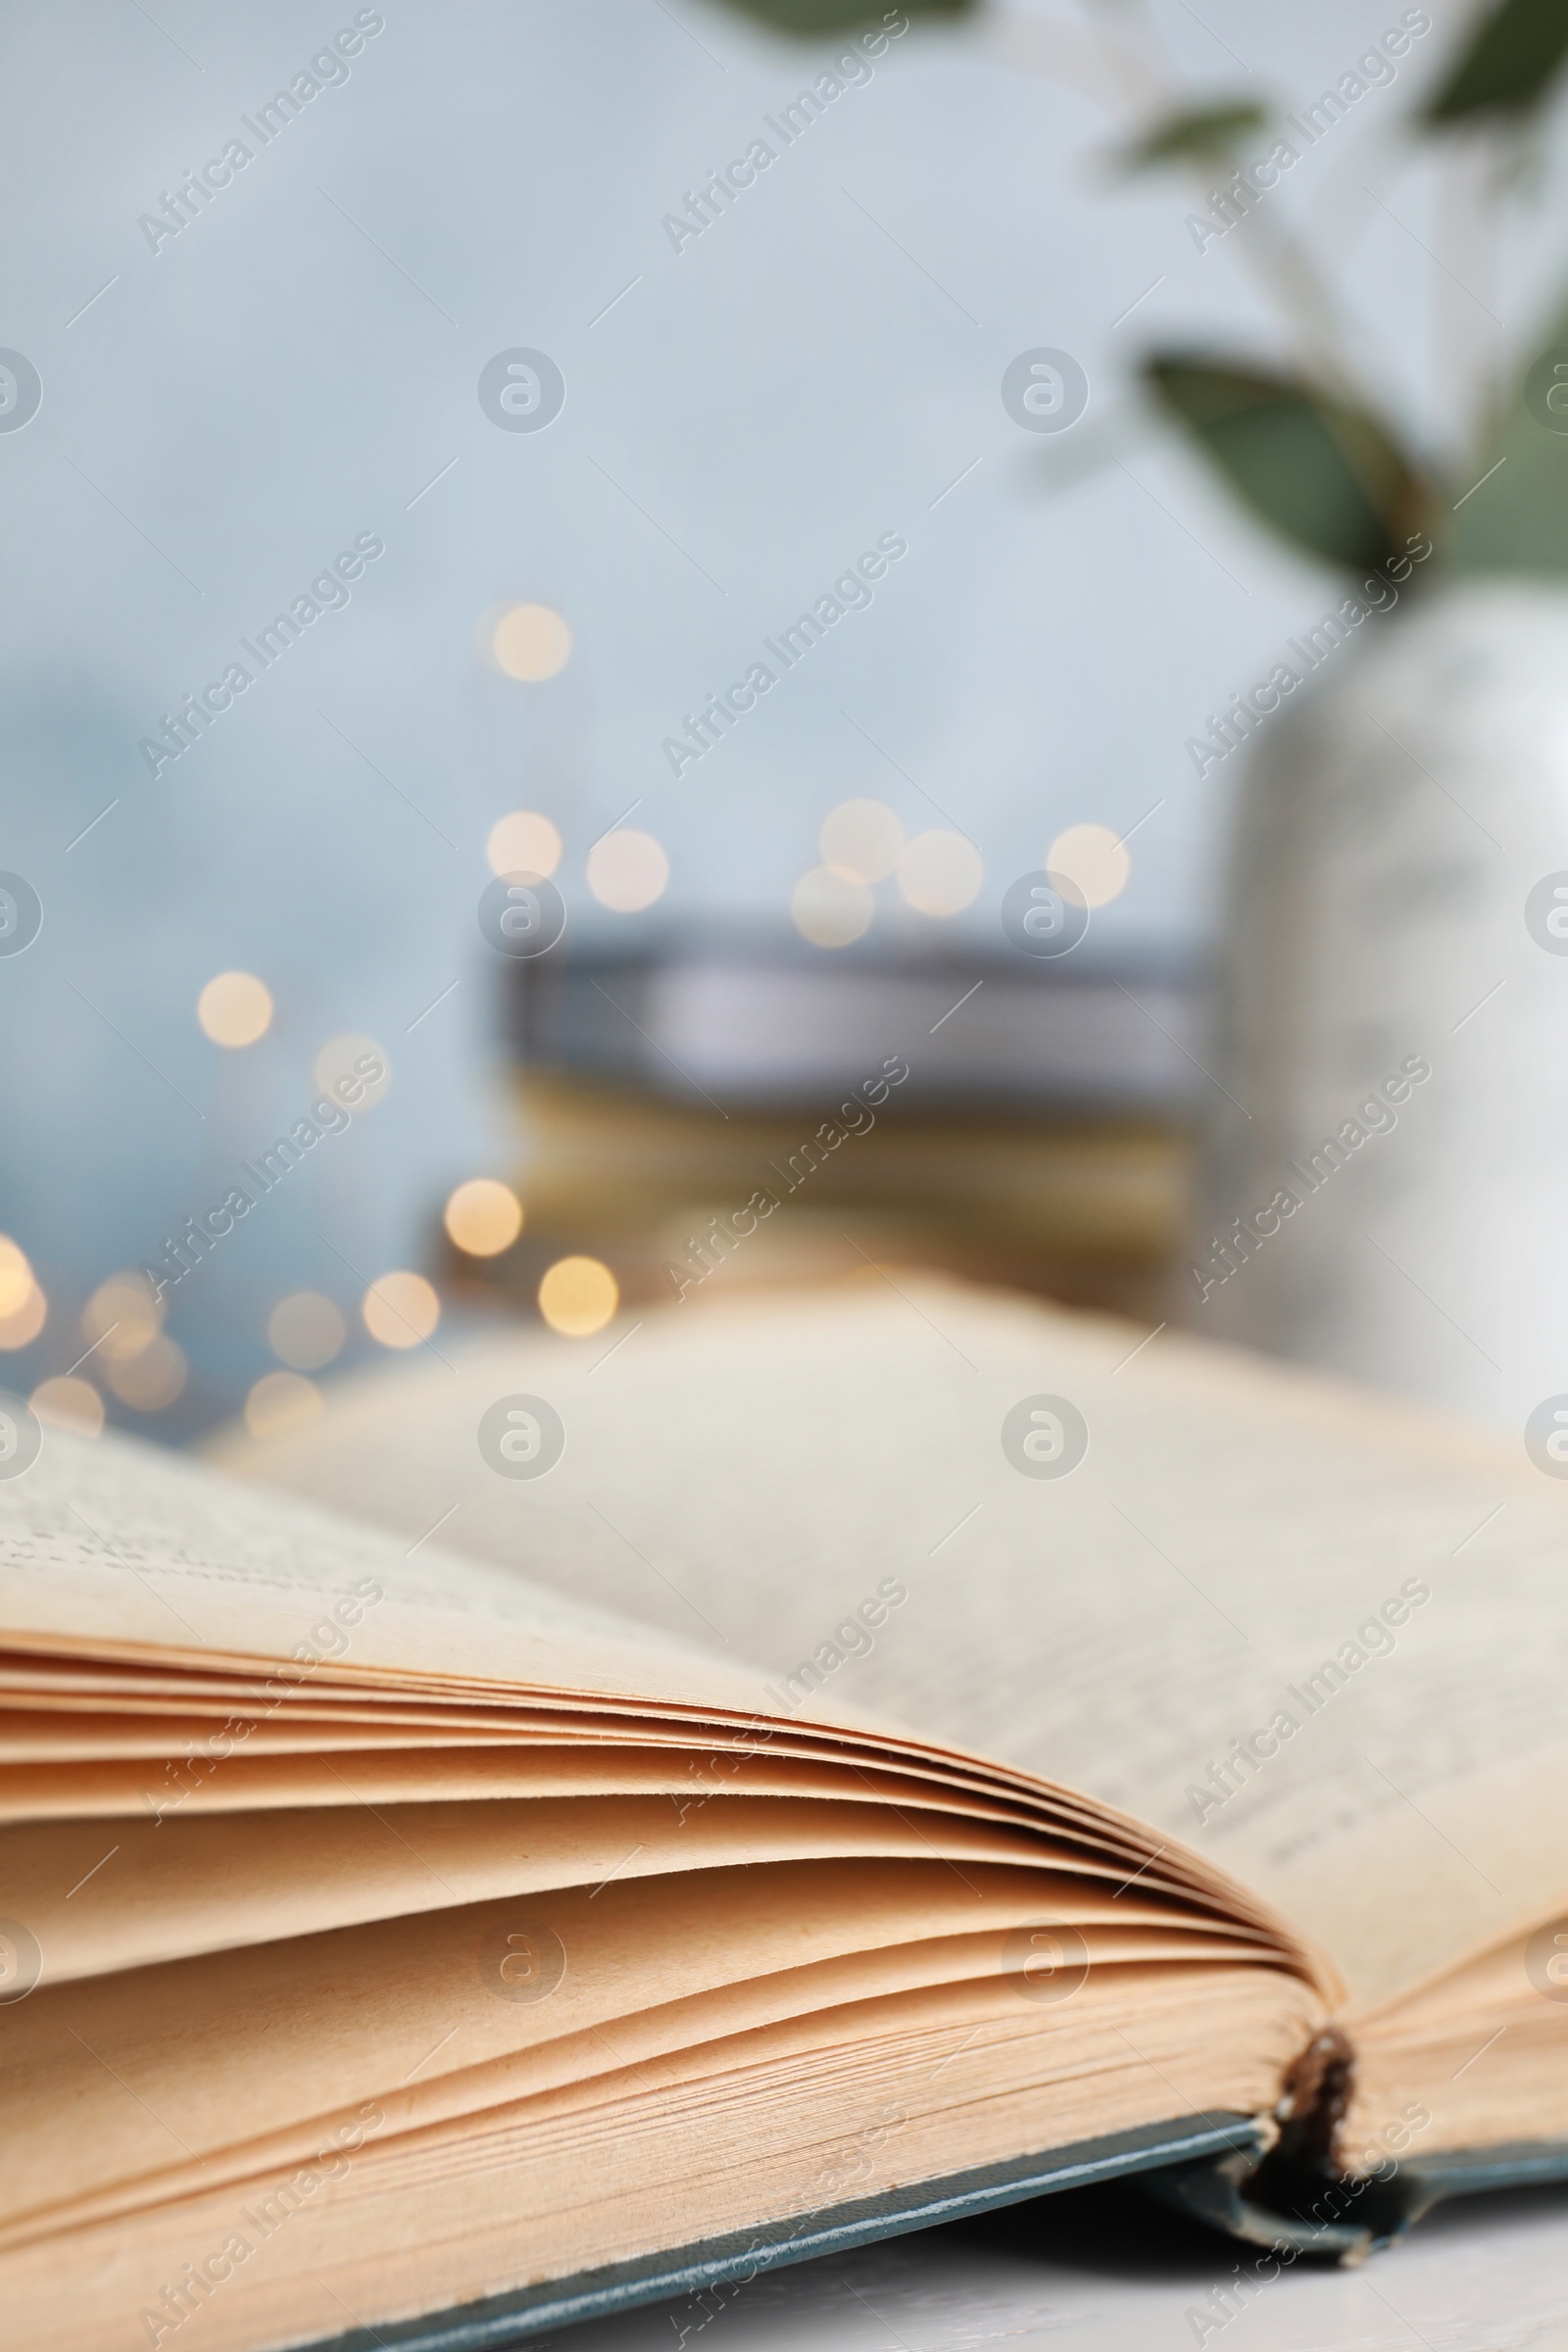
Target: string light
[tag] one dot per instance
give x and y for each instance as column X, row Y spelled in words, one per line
column 484, row 1217
column 523, row 843
column 150, row 1379
column 353, row 1071
column 861, row 839
column 23, row 1308
column 279, row 1401
column 16, row 1276
column 627, row 871
column 400, row 1309
column 941, row 873
column 830, row 907
column 235, row 1009
column 530, row 641
column 21, row 1327
column 1094, row 857
column 305, row 1329
column 71, row 1405
column 577, row 1296
column 122, row 1318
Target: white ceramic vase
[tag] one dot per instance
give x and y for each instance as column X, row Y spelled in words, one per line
column 1401, row 832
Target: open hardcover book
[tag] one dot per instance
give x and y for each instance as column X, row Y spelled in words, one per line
column 773, row 1776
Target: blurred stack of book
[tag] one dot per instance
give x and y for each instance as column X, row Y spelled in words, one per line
column 1011, row 1121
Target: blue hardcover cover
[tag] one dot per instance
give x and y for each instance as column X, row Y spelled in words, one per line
column 1201, row 2166
column 709, row 2268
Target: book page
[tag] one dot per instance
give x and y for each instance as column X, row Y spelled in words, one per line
column 259, row 2040
column 1314, row 1635
column 116, row 1550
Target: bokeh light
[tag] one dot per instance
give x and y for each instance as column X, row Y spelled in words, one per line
column 344, row 1070
column 16, row 1276
column 21, row 1327
column 122, row 1318
column 941, row 873
column 861, row 839
column 280, row 1400
column 523, row 843
column 627, row 871
column 830, row 907
column 530, row 641
column 305, row 1329
column 71, row 1404
column 484, row 1217
column 235, row 1009
column 400, row 1309
column 1092, row 856
column 150, row 1379
column 578, row 1296
column 23, row 1308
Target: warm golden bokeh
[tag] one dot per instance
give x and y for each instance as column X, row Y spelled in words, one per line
column 280, row 1400
column 484, row 1217
column 66, row 1403
column 400, row 1309
column 577, row 1296
column 122, row 1318
column 627, row 871
column 16, row 1276
column 523, row 843
column 941, row 873
column 235, row 1009
column 861, row 839
column 150, row 1379
column 1092, row 856
column 23, row 1324
column 343, row 1063
column 829, row 907
column 530, row 641
column 305, row 1329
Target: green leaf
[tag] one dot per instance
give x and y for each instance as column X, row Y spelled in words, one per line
column 1513, row 516
column 810, row 17
column 1204, row 135
column 1507, row 66
column 1325, row 476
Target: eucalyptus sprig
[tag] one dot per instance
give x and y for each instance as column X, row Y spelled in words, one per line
column 1302, row 444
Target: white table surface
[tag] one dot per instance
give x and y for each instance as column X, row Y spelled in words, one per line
column 1078, row 2274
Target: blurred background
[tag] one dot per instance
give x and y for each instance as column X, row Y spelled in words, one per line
column 539, row 441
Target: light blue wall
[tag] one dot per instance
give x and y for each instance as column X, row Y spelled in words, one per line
column 235, row 407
